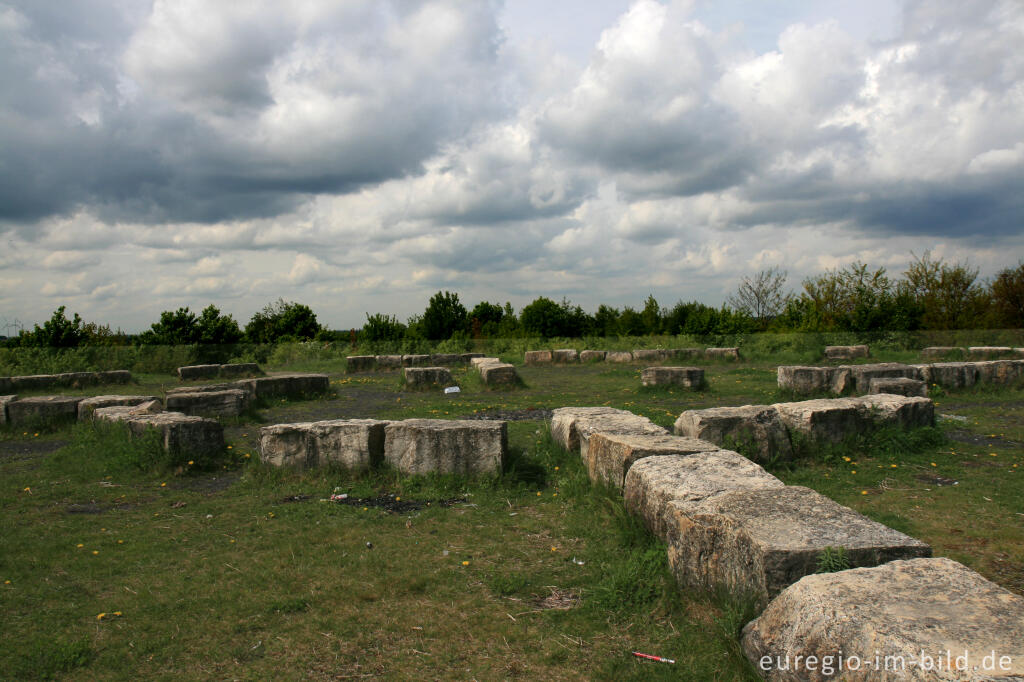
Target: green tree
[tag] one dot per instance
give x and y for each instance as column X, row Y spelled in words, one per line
column 57, row 332
column 651, row 316
column 282, row 321
column 1007, row 293
column 444, row 316
column 381, row 327
column 950, row 295
column 485, row 319
column 214, row 328
column 763, row 297
column 177, row 328
column 542, row 317
column 606, row 321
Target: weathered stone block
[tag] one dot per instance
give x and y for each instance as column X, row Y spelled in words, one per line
column 537, row 357
column 35, row 382
column 565, row 356
column 240, row 369
column 652, row 482
column 5, row 400
column 809, row 380
column 895, row 612
column 905, row 412
column 78, row 379
column 828, row 420
column 195, row 372
column 623, row 423
column 425, row 378
column 898, row 386
column 722, row 353
column 224, row 386
column 610, row 455
column 42, row 410
column 186, row 435
column 845, row 352
column 861, row 375
column 423, row 446
column 1000, row 372
column 227, row 403
column 952, row 375
column 935, row 352
column 756, row 429
column 687, row 377
column 619, row 356
column 649, row 355
column 350, row 443
column 416, row 360
column 389, row 361
column 593, row 355
column 87, row 405
column 683, row 353
column 478, row 362
column 115, row 376
column 758, row 542
column 499, row 374
column 988, row 351
column 295, row 386
column 563, row 423
column 360, row 363
column 445, row 359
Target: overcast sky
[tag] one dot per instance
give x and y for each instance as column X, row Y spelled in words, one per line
column 358, row 156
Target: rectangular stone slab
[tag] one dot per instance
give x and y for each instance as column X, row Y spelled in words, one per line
column 537, row 357
column 951, row 374
column 828, row 420
column 425, row 378
column 627, row 423
column 563, row 423
column 424, row 446
column 38, row 410
column 999, row 372
column 360, row 363
column 445, row 359
column 477, row 362
column 351, row 443
column 565, row 355
column 687, row 377
column 988, row 351
column 499, row 374
column 193, row 372
column 805, row 380
column 900, row 610
column 722, row 353
column 5, row 400
column 610, row 455
column 619, row 356
column 389, row 361
column 415, row 360
column 758, row 542
column 227, row 403
column 88, row 405
column 652, row 482
column 845, row 352
column 296, row 386
column 240, row 369
column 905, row 412
column 196, row 437
column 756, row 429
column 861, row 375
column 593, row 355
column 898, row 386
column 649, row 355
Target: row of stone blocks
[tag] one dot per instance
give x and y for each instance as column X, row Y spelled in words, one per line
column 894, row 376
column 970, row 352
column 729, row 523
column 37, row 382
column 370, row 363
column 412, row 446
column 229, row 371
column 571, row 356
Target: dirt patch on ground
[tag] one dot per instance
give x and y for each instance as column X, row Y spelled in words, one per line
column 528, row 414
column 388, row 502
column 962, row 436
column 29, row 449
column 933, row 479
column 210, row 485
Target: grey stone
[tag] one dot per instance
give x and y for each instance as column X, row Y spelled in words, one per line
column 610, row 455
column 861, row 375
column 360, row 363
column 38, row 410
column 537, row 357
column 446, row 359
column 227, row 403
column 593, row 355
column 898, row 386
column 809, row 380
column 619, row 356
column 988, row 351
column 115, row 376
column 687, row 377
column 87, row 405
column 148, row 407
column 416, row 360
column 722, row 353
column 649, row 355
column 905, row 412
column 563, row 423
column 224, row 386
column 943, row 352
column 828, row 420
column 684, row 353
column 755, row 429
column 758, row 542
column 499, row 374
column 623, row 423
column 5, row 400
column 240, row 369
column 194, row 372
column 423, row 446
column 565, row 356
column 389, row 361
column 898, row 611
column 35, row 382
column 350, row 443
column 425, row 378
column 478, row 362
column 295, row 386
column 652, row 482
column 952, row 375
column 195, row 437
column 845, row 352
column 999, row 372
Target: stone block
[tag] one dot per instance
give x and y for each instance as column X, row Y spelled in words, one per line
column 478, row 362
column 758, row 542
column 810, row 380
column 649, row 355
column 224, row 386
column 953, row 375
column 943, row 352
column 537, row 357
column 87, row 405
column 988, row 351
column 861, row 375
column 424, row 446
column 593, row 355
column 755, row 429
column 684, row 353
column 1000, row 372
column 445, row 359
column 610, row 455
column 905, row 412
column 468, row 357
column 563, row 423
column 35, row 382
column 687, row 377
column 499, row 374
column 240, row 369
column 180, row 434
column 845, row 352
column 898, row 386
column 115, row 376
column 78, row 379
column 416, row 360
column 294, row 386
column 619, row 356
column 227, row 403
column 828, row 420
column 616, row 423
column 565, row 356
column 350, row 443
column 360, row 363
column 5, row 400
column 722, row 353
column 389, row 361
column 426, row 378
column 39, row 410
column 196, row 372
column 895, row 612
column 652, row 482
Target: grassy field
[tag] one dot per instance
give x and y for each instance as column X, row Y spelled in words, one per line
column 239, row 571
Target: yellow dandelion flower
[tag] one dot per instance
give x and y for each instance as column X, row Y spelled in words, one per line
column 894, row 466
column 120, row 542
column 191, row 462
column 101, row 616
column 934, row 464
column 539, row 494
column 95, row 552
column 854, row 471
column 28, row 489
column 117, row 613
column 163, row 485
column 7, row 582
column 79, row 545
column 465, row 563
column 398, row 499
column 846, row 459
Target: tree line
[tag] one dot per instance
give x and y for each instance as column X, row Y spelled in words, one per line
column 930, row 295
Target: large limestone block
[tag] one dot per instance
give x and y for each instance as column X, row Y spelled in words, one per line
column 186, row 435
column 115, row 376
column 563, row 423
column 652, row 482
column 968, row 627
column 423, row 446
column 1000, row 372
column 425, row 378
column 295, row 386
column 242, row 385
column 952, row 375
column 619, row 356
column 649, row 355
column 389, row 361
column 79, row 379
column 35, row 382
column 5, row 400
column 416, row 360
column 360, row 363
column 610, row 455
column 565, row 356
column 899, row 386
column 88, row 405
column 683, row 353
column 350, row 443
column 227, row 403
column 499, row 374
column 40, row 410
column 593, row 355
column 626, row 423
column 478, row 362
column 861, row 375
column 722, row 353
column 687, row 377
column 988, row 351
column 537, row 357
column 194, row 372
column 758, row 542
column 935, row 352
column 755, row 429
column 845, row 352
column 905, row 412
column 240, row 369
column 445, row 359
column 807, row 380
column 828, row 420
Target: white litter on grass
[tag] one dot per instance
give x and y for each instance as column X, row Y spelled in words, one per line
column 453, row 389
